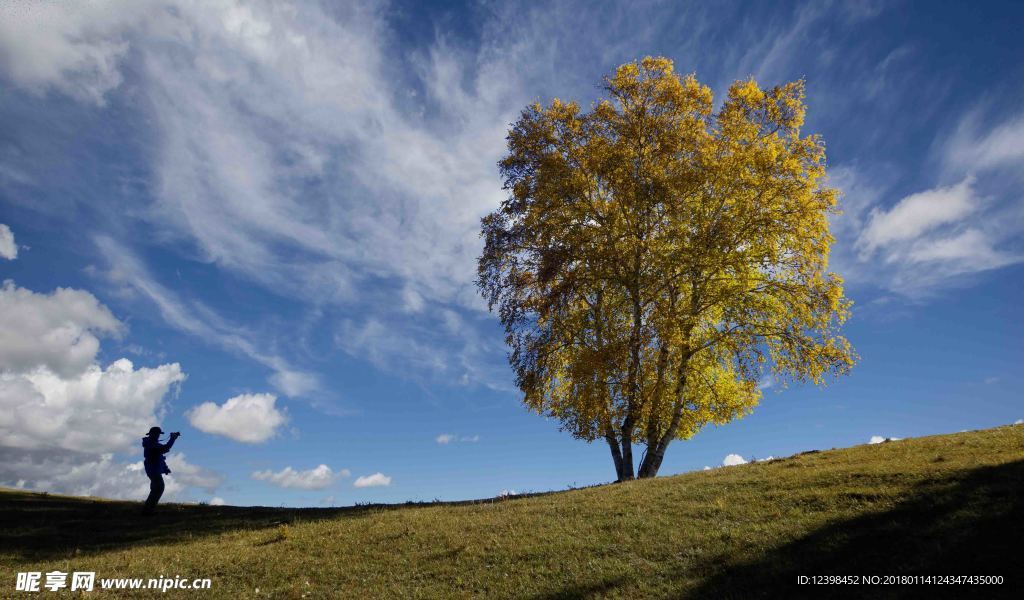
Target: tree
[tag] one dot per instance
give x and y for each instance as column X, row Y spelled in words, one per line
column 654, row 259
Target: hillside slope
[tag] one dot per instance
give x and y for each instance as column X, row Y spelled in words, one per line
column 940, row 505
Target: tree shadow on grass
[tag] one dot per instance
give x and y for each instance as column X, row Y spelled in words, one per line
column 38, row 526
column 968, row 524
column 589, row 590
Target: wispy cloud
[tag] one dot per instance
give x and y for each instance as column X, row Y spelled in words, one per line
column 294, row 147
column 195, row 318
column 940, row 237
column 447, row 438
column 316, row 478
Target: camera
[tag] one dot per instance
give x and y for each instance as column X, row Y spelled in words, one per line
column 175, row 434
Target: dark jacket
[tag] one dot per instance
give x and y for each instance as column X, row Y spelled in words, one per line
column 154, row 451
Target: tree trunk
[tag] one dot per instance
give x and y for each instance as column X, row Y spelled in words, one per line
column 656, row 453
column 652, row 462
column 613, row 444
column 627, row 450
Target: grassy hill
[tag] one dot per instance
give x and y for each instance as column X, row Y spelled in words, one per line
column 941, row 505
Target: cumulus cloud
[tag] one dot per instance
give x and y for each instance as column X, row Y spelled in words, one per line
column 84, row 474
column 58, row 331
column 99, row 410
column 8, row 248
column 444, row 438
column 732, row 460
column 375, row 480
column 53, row 394
column 317, row 478
column 878, row 439
column 249, row 418
column 63, row 417
column 507, row 493
column 193, row 475
column 217, row 501
column 1019, row 422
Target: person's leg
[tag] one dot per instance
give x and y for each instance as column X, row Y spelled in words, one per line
column 156, row 489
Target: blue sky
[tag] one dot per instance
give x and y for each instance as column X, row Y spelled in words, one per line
column 257, row 224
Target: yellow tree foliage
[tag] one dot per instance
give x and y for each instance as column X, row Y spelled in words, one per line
column 654, row 259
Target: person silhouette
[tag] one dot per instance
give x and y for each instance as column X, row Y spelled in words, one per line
column 156, row 466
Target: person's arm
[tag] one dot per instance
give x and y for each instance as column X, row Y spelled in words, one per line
column 165, row 448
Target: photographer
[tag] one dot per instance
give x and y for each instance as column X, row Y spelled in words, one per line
column 156, row 466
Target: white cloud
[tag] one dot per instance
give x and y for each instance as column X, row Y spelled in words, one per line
column 192, row 475
column 707, row 468
column 927, row 241
column 1019, row 422
column 375, row 480
column 63, row 417
column 80, row 474
column 447, row 438
column 314, row 479
column 249, row 418
column 385, row 347
column 254, row 102
column 74, row 48
column 766, row 459
column 217, row 501
column 199, row 320
column 878, row 439
column 99, row 410
column 916, row 215
column 292, row 382
column 294, row 147
column 57, row 331
column 53, row 394
column 732, row 460
column 507, row 493
column 969, row 250
column 412, row 301
column 1002, row 145
column 8, row 247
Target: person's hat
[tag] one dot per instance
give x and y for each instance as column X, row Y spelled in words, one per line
column 155, row 430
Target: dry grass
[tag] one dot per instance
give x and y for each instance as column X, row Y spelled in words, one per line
column 937, row 505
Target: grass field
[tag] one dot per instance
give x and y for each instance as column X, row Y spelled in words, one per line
column 941, row 505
